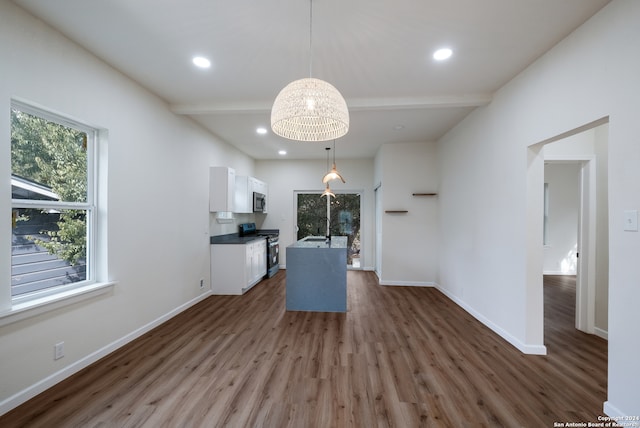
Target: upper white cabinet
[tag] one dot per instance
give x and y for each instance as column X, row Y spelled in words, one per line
column 222, row 184
column 244, row 195
column 259, row 186
column 245, row 187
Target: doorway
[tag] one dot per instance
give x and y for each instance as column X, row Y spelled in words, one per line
column 585, row 147
column 570, row 220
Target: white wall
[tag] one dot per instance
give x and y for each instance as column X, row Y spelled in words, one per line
column 491, row 197
column 563, row 180
column 284, row 177
column 409, row 240
column 158, row 219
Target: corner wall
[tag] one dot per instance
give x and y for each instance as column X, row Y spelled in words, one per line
column 158, row 217
column 488, row 255
column 409, row 253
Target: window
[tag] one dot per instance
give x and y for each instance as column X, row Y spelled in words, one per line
column 52, row 202
column 344, row 220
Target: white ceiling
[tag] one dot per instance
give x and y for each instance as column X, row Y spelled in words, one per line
column 376, row 52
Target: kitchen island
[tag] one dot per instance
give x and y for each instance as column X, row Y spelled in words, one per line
column 317, row 275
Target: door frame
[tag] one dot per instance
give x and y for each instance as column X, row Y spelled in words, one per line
column 534, row 304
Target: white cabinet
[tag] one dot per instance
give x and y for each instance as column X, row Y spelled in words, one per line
column 261, row 187
column 258, row 260
column 245, row 186
column 222, row 184
column 244, row 195
column 235, row 268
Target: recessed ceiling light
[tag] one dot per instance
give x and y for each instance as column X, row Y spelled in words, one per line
column 201, row 62
column 282, row 152
column 442, row 54
column 398, row 127
column 261, row 130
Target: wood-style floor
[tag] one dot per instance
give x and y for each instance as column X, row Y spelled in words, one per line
column 400, row 357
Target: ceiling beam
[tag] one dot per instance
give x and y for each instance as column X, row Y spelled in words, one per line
column 356, row 104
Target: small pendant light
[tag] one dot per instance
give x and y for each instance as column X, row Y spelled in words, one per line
column 327, row 190
column 333, row 174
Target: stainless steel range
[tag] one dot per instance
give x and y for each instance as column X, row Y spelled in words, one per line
column 273, row 255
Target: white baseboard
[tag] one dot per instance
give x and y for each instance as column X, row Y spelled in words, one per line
column 558, row 272
column 406, row 283
column 403, row 283
column 46, row 383
column 522, row 347
column 613, row 412
column 601, row 333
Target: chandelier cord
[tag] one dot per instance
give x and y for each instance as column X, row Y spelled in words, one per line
column 310, row 36
column 328, row 149
column 334, row 151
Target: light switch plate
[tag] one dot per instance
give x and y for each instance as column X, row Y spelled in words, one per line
column 631, row 220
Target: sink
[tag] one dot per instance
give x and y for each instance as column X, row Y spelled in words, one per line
column 313, row 239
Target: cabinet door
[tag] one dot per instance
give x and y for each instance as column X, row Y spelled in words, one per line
column 222, row 183
column 248, row 266
column 261, row 259
column 243, row 197
column 253, row 185
column 228, row 268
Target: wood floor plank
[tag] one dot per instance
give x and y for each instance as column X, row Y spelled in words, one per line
column 400, row 357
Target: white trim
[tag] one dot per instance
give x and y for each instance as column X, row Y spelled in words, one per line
column 558, row 273
column 613, row 412
column 46, row 383
column 601, row 333
column 406, row 283
column 522, row 347
column 57, row 294
column 32, row 307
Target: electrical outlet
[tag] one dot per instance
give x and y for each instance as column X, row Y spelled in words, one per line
column 58, row 350
column 202, row 283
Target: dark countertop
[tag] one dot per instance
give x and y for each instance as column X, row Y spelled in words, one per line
column 234, row 238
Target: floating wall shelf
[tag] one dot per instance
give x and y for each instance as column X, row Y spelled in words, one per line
column 425, row 194
column 396, row 211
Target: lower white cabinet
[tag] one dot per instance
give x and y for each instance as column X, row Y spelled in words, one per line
column 235, row 268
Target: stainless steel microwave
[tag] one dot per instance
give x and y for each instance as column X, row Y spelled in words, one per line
column 259, row 202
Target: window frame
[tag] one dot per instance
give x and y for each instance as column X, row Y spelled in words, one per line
column 89, row 206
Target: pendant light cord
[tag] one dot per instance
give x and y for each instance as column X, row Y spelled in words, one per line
column 334, row 152
column 310, row 36
column 327, row 149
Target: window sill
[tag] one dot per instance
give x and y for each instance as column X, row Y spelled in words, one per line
column 23, row 310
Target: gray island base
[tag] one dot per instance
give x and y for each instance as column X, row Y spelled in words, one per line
column 317, row 275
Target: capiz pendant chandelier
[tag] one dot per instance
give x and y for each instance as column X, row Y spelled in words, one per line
column 310, row 109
